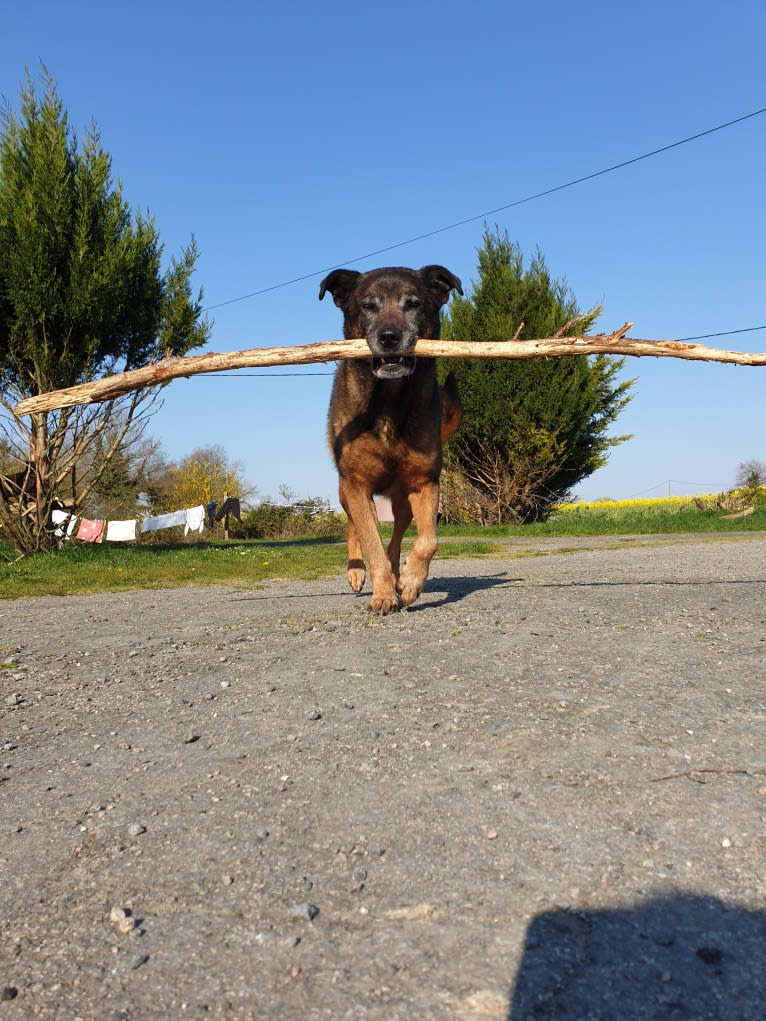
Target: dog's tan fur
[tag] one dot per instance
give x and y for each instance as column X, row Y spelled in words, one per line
column 387, row 421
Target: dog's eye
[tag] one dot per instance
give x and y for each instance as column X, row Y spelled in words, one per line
column 369, row 304
column 412, row 301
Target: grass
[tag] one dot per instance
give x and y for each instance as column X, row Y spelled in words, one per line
column 79, row 568
column 629, row 518
column 82, row 568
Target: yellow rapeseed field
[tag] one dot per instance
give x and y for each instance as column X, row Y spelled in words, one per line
column 654, row 501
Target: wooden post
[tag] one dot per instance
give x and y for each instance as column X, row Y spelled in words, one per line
column 226, row 516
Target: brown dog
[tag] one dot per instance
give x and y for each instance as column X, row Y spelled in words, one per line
column 387, row 422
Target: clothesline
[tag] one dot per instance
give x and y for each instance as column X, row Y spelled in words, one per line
column 193, row 519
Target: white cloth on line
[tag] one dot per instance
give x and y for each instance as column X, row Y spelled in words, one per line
column 164, row 521
column 195, row 519
column 62, row 518
column 121, row 531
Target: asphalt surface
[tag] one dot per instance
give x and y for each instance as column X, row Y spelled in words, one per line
column 538, row 794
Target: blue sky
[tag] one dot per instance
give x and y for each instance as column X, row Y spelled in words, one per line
column 289, row 138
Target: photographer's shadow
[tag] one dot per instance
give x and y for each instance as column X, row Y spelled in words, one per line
column 676, row 957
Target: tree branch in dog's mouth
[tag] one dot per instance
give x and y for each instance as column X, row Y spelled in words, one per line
column 392, row 368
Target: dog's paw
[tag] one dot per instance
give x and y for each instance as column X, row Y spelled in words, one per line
column 409, row 589
column 356, row 578
column 383, row 605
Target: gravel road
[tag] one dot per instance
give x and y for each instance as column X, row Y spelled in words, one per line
column 538, row 794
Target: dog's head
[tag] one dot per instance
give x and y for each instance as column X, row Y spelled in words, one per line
column 391, row 309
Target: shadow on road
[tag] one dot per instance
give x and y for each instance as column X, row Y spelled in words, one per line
column 677, row 957
column 439, row 591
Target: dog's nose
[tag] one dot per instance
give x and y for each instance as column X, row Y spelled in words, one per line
column 389, row 338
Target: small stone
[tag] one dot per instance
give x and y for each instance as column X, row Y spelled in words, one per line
column 261, row 833
column 227, row 880
column 13, row 699
column 122, row 920
column 306, row 911
column 726, row 842
column 137, row 961
column 315, row 714
column 136, row 829
column 9, row 993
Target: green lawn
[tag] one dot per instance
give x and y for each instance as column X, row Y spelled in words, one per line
column 82, row 568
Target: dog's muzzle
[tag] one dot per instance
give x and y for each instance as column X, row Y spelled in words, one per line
column 392, row 367
column 388, row 345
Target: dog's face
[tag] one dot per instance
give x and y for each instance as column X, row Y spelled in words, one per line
column 391, row 309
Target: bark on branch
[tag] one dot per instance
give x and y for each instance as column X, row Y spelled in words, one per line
column 157, row 373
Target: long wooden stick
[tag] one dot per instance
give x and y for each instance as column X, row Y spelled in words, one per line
column 333, row 350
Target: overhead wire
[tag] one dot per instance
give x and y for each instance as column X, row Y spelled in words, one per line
column 491, row 212
column 498, row 209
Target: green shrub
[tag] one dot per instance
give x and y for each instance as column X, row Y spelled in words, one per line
column 268, row 520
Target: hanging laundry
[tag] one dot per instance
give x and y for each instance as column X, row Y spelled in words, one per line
column 163, row 521
column 121, row 531
column 65, row 523
column 195, row 519
column 210, row 512
column 90, row 531
column 230, row 506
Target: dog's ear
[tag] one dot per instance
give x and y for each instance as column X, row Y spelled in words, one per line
column 340, row 283
column 440, row 282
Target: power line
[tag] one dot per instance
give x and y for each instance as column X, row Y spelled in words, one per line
column 722, row 333
column 220, row 375
column 497, row 209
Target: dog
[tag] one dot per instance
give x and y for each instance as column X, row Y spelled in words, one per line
column 387, row 421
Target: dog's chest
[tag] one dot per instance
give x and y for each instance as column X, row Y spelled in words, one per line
column 387, row 431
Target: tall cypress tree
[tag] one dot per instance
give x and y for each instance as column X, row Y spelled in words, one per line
column 532, row 429
column 82, row 294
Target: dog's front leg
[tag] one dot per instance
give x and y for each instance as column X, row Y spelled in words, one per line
column 425, row 507
column 363, row 521
column 400, row 505
column 355, row 567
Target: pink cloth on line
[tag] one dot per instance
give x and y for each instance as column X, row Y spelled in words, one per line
column 90, row 531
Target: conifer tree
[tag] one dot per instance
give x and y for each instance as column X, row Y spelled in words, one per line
column 82, row 295
column 532, row 429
